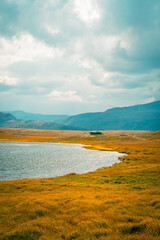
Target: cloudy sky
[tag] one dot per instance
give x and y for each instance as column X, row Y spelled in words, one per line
column 75, row 56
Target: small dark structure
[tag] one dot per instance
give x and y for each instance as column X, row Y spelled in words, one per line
column 95, row 133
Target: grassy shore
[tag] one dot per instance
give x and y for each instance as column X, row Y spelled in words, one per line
column 113, row 203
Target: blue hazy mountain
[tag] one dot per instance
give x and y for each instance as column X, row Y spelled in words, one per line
column 138, row 117
column 37, row 117
column 9, row 121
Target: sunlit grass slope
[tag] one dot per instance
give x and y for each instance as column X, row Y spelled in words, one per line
column 114, row 203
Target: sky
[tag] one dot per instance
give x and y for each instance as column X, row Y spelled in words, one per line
column 76, row 56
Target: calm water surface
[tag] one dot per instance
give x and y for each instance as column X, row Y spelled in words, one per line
column 35, row 160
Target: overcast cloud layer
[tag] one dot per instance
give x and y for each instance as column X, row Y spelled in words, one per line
column 68, row 57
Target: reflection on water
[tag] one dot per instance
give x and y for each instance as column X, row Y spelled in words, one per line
column 35, row 160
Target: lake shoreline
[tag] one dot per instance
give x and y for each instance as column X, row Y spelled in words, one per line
column 62, row 158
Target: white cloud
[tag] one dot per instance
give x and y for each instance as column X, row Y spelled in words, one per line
column 25, row 47
column 92, row 53
column 87, row 10
column 65, row 96
column 8, row 80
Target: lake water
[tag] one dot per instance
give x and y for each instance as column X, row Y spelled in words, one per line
column 20, row 160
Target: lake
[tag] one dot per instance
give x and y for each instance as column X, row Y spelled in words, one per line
column 20, row 160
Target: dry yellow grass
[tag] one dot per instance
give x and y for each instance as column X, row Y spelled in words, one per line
column 64, row 133
column 118, row 202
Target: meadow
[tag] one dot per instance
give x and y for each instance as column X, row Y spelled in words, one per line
column 113, row 203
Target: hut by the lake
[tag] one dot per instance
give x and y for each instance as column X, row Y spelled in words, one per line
column 95, row 133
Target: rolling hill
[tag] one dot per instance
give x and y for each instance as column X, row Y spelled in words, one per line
column 9, row 121
column 138, row 117
column 6, row 117
column 21, row 115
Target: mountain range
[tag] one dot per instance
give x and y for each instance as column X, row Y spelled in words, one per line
column 37, row 117
column 138, row 117
column 9, row 121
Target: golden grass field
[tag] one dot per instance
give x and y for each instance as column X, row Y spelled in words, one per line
column 115, row 203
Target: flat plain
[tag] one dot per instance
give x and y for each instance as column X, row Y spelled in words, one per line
column 118, row 202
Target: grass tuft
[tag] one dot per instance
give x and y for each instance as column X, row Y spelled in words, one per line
column 72, row 236
column 99, row 234
column 40, row 212
column 136, row 228
column 26, row 235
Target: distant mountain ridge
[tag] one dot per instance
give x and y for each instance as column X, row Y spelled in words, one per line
column 138, row 117
column 5, row 117
column 9, row 121
column 21, row 115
